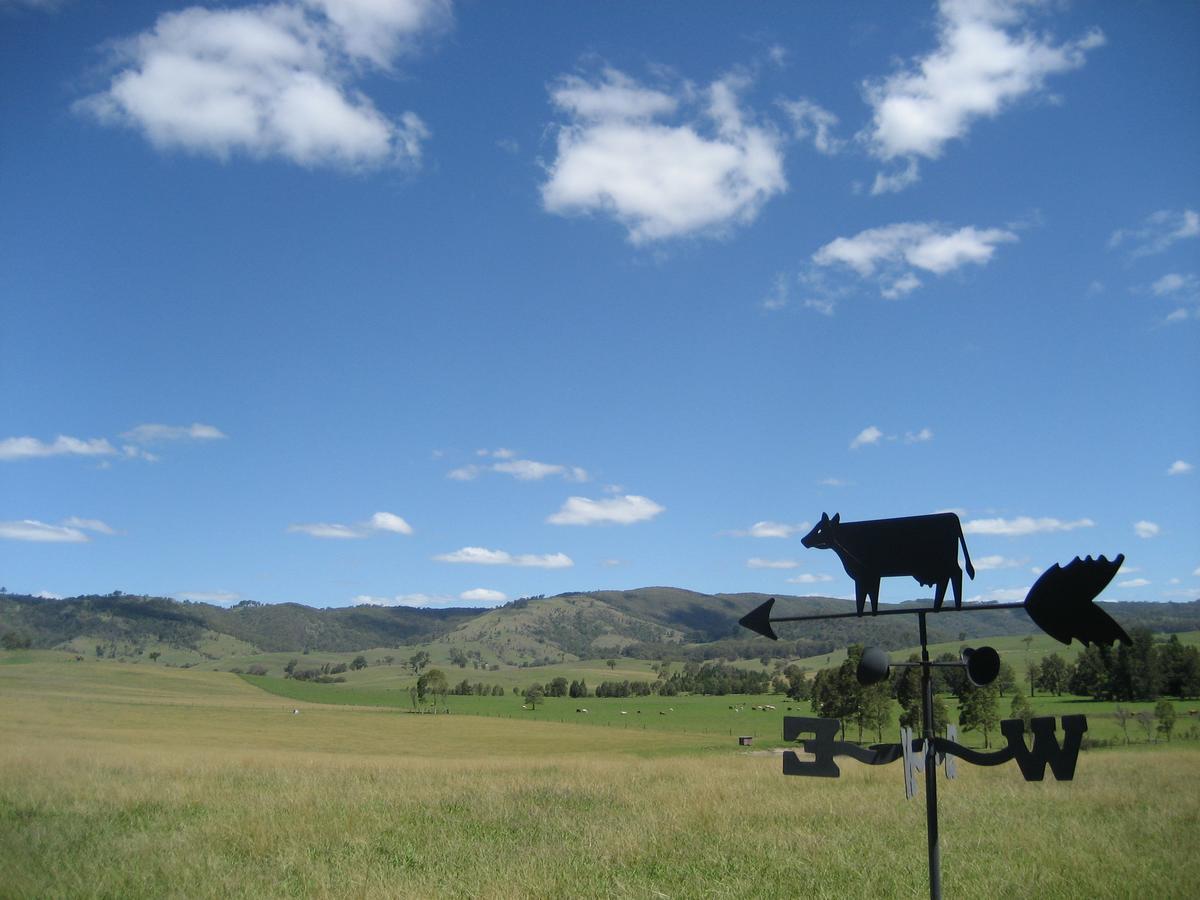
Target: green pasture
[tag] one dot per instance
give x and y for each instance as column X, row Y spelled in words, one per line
column 123, row 780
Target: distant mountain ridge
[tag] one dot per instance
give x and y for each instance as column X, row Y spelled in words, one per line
column 650, row 622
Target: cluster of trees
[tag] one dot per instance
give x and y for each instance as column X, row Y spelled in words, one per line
column 715, row 678
column 13, row 640
column 1143, row 671
column 329, row 673
column 465, row 689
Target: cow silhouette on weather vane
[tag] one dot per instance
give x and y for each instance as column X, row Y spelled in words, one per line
column 1061, row 603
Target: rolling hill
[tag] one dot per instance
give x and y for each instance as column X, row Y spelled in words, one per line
column 647, row 623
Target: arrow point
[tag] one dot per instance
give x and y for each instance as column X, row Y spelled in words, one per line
column 758, row 620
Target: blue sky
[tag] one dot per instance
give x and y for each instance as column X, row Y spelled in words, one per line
column 412, row 302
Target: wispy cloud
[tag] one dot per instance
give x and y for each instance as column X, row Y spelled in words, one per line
column 379, row 522
column 1144, row 529
column 16, row 448
column 626, row 151
column 520, row 469
column 625, row 510
column 987, row 58
column 1001, row 595
column 867, row 437
column 758, row 562
column 990, row 563
column 834, row 482
column 69, row 531
column 481, row 556
column 1157, row 233
column 271, row 80
column 1023, row 525
column 768, row 529
column 152, row 433
column 811, row 121
column 483, row 595
column 809, row 578
column 1179, row 467
column 918, row 437
column 1133, row 583
column 893, row 258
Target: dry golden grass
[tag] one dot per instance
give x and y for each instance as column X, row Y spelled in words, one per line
column 124, row 782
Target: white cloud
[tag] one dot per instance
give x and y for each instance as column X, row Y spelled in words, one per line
column 269, row 80
column 769, row 529
column 616, row 158
column 382, row 30
column 1133, row 583
column 1022, row 525
column 990, row 563
column 47, row 595
column 869, row 435
column 757, row 562
column 809, row 578
column 891, row 255
column 809, row 120
column 483, row 595
column 89, row 525
column 1144, row 529
column 380, row 521
column 197, row 431
column 386, row 521
column 1179, row 467
column 834, row 482
column 778, row 296
column 624, row 510
column 40, row 532
column 15, row 448
column 1001, row 595
column 919, row 437
column 1160, row 230
column 483, row 557
column 417, row 600
column 520, row 469
column 1196, row 571
column 328, row 530
column 986, row 59
column 1173, row 283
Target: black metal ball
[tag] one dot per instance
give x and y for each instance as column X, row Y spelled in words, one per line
column 873, row 667
column 983, row 665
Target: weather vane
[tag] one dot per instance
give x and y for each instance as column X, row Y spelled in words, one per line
column 1061, row 603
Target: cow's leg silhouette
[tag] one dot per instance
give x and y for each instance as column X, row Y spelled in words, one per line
column 860, row 594
column 940, row 593
column 956, row 582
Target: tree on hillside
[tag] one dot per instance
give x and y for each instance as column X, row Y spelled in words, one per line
column 360, row 662
column 418, row 661
column 1123, row 715
column 1145, row 718
column 1053, row 674
column 534, row 695
column 1164, row 712
column 557, row 687
column 611, row 663
column 1021, row 709
column 154, row 655
column 1006, row 680
column 978, row 711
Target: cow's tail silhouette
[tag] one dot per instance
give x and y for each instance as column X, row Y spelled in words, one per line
column 966, row 556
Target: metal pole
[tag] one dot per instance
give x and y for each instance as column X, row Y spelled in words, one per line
column 931, row 820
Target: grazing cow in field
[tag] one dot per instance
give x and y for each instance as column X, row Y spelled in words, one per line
column 925, row 547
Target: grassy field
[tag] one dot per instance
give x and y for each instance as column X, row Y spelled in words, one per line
column 132, row 781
